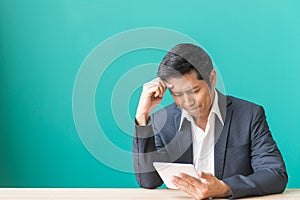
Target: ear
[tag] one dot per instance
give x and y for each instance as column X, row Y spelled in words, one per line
column 213, row 78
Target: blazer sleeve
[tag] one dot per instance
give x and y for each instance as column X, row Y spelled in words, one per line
column 269, row 173
column 145, row 153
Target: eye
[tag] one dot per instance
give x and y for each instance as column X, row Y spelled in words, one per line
column 177, row 94
column 196, row 91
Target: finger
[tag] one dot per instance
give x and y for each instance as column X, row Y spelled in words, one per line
column 169, row 85
column 184, row 186
column 162, row 89
column 159, row 86
column 158, row 81
column 166, row 84
column 149, row 85
column 151, row 91
column 191, row 180
column 205, row 175
column 153, row 82
column 157, row 92
column 180, row 182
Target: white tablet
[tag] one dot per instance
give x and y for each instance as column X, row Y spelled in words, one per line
column 167, row 170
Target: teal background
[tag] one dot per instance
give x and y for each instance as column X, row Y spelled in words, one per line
column 255, row 44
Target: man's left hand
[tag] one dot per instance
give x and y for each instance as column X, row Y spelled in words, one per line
column 205, row 187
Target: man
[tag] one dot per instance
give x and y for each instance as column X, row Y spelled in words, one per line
column 227, row 139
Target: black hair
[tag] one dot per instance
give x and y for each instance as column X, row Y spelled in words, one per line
column 183, row 59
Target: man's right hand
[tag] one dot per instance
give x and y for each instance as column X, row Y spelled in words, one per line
column 151, row 96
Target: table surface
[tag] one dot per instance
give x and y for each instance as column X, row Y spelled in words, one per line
column 113, row 193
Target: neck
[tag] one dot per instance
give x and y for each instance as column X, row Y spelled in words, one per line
column 202, row 120
column 201, row 123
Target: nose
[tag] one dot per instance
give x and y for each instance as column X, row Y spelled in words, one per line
column 188, row 100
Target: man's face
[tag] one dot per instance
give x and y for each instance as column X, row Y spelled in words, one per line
column 192, row 94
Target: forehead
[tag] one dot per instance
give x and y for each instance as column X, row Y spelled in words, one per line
column 186, row 82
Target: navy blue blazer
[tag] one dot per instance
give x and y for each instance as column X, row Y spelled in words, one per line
column 246, row 157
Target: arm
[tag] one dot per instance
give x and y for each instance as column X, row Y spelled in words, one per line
column 268, row 177
column 144, row 144
column 145, row 153
column 269, row 174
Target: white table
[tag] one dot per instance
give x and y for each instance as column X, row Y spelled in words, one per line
column 113, row 193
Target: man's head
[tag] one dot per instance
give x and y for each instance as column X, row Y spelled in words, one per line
column 189, row 69
column 183, row 59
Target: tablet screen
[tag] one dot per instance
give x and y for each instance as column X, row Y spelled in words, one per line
column 167, row 170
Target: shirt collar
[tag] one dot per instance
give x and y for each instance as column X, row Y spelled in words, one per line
column 214, row 109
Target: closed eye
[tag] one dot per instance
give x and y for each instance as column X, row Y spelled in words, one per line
column 177, row 94
column 193, row 91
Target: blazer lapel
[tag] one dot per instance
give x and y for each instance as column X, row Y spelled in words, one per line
column 184, row 139
column 184, row 136
column 221, row 135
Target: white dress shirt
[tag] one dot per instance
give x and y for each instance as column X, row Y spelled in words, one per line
column 203, row 140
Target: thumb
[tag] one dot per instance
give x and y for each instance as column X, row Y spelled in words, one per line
column 205, row 175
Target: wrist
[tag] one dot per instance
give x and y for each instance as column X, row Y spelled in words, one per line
column 142, row 119
column 226, row 189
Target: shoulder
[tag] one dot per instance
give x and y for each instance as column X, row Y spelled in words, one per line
column 170, row 109
column 167, row 117
column 244, row 109
column 242, row 104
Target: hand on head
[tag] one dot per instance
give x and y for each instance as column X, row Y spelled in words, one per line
column 151, row 96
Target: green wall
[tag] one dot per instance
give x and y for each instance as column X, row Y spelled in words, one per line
column 43, row 43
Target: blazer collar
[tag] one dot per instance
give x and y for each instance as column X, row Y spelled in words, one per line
column 215, row 109
column 221, row 135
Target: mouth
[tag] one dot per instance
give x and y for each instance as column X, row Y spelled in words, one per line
column 192, row 109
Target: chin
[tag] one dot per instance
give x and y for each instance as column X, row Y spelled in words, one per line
column 195, row 113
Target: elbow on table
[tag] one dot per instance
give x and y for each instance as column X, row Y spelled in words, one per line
column 279, row 184
column 147, row 182
column 283, row 182
column 147, row 186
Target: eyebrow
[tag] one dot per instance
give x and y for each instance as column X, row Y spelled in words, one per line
column 194, row 88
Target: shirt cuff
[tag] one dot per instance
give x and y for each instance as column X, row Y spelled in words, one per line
column 148, row 122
